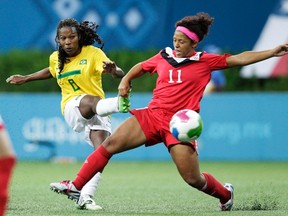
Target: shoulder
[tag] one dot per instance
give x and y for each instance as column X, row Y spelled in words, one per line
column 209, row 55
column 214, row 57
column 91, row 49
column 54, row 56
column 93, row 53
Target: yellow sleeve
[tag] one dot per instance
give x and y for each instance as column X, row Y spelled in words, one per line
column 100, row 58
column 53, row 63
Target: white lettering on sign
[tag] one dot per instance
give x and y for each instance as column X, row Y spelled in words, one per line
column 234, row 132
column 51, row 129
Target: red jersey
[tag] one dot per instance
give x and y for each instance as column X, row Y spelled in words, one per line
column 181, row 81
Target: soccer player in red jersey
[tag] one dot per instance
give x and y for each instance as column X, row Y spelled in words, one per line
column 183, row 74
column 7, row 162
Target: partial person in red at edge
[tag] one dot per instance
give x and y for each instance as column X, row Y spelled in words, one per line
column 7, row 163
column 183, row 74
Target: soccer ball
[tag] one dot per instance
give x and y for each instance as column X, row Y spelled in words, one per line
column 186, row 125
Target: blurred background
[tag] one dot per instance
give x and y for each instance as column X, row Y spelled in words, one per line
column 243, row 110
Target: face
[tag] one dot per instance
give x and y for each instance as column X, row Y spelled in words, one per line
column 69, row 40
column 183, row 45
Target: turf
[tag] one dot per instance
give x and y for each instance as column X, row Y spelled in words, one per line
column 151, row 188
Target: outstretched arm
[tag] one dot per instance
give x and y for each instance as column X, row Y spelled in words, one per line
column 21, row 79
column 125, row 84
column 250, row 57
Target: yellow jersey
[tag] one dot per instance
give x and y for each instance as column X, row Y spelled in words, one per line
column 81, row 75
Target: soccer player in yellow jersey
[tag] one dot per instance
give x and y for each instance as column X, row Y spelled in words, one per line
column 78, row 66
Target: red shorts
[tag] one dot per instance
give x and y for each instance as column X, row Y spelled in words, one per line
column 155, row 125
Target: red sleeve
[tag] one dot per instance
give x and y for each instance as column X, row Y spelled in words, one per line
column 150, row 64
column 215, row 61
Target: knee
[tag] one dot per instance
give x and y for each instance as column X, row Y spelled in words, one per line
column 110, row 144
column 195, row 182
column 107, row 142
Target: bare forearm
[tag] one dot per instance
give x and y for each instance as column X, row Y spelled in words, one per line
column 21, row 79
column 125, row 84
column 134, row 72
column 119, row 73
column 249, row 57
column 40, row 75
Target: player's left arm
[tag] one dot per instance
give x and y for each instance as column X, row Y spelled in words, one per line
column 111, row 67
column 250, row 57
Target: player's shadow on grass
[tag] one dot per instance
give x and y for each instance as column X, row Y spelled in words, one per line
column 257, row 205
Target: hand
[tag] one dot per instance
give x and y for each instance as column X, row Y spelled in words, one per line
column 124, row 88
column 16, row 79
column 109, row 67
column 281, row 50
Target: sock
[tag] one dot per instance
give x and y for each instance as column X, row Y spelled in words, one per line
column 107, row 106
column 6, row 167
column 91, row 186
column 215, row 188
column 94, row 163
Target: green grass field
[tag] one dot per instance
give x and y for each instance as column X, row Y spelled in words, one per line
column 151, row 188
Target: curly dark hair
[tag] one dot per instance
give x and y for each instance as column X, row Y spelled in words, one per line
column 199, row 24
column 88, row 35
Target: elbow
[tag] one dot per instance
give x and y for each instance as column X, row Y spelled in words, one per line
column 119, row 73
column 233, row 62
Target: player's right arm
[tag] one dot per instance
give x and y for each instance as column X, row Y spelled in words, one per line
column 125, row 83
column 21, row 79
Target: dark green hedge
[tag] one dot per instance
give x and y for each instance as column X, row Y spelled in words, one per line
column 25, row 62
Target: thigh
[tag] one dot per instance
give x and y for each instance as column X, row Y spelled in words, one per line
column 87, row 106
column 6, row 148
column 127, row 136
column 73, row 116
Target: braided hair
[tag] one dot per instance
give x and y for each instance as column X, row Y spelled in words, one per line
column 88, row 36
column 199, row 24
